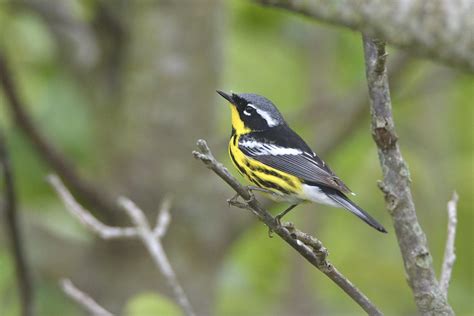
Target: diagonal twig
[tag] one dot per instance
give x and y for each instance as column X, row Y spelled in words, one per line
column 13, row 229
column 396, row 187
column 449, row 251
column 86, row 218
column 84, row 300
column 151, row 237
column 309, row 247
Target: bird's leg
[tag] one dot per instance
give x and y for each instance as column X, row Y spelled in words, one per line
column 270, row 192
column 234, row 201
column 255, row 188
column 250, row 188
column 278, row 218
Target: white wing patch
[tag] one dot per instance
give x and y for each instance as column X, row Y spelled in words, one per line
column 265, row 115
column 268, row 149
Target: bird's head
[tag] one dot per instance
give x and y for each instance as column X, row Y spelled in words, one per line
column 252, row 112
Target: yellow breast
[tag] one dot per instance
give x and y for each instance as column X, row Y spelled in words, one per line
column 262, row 175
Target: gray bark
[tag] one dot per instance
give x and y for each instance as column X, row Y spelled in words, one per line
column 417, row 259
column 439, row 29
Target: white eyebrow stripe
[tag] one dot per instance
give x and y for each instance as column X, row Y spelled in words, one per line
column 259, row 149
column 265, row 115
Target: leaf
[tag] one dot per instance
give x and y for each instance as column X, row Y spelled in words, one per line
column 151, row 304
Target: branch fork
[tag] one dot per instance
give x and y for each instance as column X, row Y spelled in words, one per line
column 151, row 238
column 429, row 296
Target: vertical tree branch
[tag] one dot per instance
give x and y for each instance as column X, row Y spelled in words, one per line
column 449, row 253
column 83, row 299
column 13, row 229
column 396, row 187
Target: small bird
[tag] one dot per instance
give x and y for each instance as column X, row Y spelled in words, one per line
column 267, row 152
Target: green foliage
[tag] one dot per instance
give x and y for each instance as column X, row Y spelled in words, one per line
column 253, row 276
column 260, row 59
column 8, row 301
column 151, row 304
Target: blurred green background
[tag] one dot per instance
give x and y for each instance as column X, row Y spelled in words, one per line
column 124, row 89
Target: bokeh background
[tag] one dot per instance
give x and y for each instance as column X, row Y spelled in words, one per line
column 125, row 88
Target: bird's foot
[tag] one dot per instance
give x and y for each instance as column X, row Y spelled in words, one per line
column 270, row 232
column 274, row 195
column 255, row 188
column 278, row 222
column 234, row 201
column 278, row 218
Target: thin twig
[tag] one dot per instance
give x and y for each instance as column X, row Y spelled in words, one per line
column 163, row 219
column 82, row 189
column 309, row 247
column 151, row 237
column 83, row 299
column 396, row 187
column 86, row 218
column 152, row 241
column 449, row 251
column 13, row 229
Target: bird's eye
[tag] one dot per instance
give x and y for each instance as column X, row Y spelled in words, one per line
column 249, row 110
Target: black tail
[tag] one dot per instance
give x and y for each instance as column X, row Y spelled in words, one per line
column 344, row 201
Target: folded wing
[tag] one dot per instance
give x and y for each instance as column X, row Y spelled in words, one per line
column 300, row 162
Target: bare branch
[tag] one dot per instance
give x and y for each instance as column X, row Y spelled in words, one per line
column 434, row 29
column 13, row 229
column 163, row 219
column 151, row 238
column 449, row 251
column 82, row 189
column 83, row 299
column 155, row 248
column 86, row 218
column 396, row 188
column 309, row 247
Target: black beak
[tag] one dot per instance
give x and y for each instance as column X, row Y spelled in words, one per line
column 226, row 96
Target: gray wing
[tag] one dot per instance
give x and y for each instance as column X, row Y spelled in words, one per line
column 304, row 165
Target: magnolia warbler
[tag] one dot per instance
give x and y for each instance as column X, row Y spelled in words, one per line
column 271, row 155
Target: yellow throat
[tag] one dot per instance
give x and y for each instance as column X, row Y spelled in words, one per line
column 237, row 123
